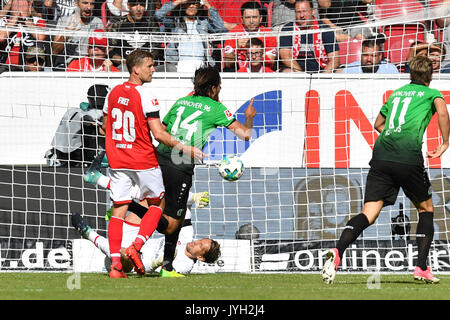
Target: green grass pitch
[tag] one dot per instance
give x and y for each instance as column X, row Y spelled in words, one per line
column 222, row 286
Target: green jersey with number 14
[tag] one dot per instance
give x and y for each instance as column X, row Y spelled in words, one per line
column 408, row 112
column 191, row 120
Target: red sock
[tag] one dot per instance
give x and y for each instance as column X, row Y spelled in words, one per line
column 148, row 225
column 115, row 232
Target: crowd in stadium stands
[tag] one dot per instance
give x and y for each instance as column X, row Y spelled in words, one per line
column 79, row 39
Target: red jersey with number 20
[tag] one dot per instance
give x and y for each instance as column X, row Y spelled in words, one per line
column 128, row 141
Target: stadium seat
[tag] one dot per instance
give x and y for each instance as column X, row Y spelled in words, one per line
column 269, row 7
column 387, row 9
column 399, row 39
column 104, row 15
column 349, row 51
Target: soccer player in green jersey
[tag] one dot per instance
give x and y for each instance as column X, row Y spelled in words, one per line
column 397, row 161
column 191, row 120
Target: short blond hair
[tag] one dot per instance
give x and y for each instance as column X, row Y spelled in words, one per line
column 421, row 69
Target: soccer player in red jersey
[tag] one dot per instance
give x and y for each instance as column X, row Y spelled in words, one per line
column 131, row 110
column 235, row 50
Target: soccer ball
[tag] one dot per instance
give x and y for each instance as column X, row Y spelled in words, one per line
column 231, row 168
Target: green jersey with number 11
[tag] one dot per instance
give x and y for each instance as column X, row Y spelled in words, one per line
column 191, row 120
column 408, row 112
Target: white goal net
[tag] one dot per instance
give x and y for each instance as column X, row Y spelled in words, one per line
column 305, row 166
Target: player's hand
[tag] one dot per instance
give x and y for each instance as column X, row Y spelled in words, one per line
column 157, row 262
column 194, row 152
column 201, row 199
column 438, row 151
column 250, row 112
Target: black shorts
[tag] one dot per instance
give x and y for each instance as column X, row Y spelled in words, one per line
column 177, row 184
column 385, row 178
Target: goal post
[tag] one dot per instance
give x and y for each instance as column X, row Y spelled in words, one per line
column 304, row 178
column 305, row 165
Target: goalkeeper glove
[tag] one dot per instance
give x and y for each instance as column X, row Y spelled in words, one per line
column 157, row 262
column 201, row 199
column 108, row 214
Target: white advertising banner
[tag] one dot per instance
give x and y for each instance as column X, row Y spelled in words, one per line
column 339, row 111
column 235, row 257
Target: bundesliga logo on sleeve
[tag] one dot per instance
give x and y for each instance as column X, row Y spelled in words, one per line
column 228, row 114
column 155, row 102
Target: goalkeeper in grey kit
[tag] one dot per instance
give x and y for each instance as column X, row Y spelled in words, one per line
column 397, row 162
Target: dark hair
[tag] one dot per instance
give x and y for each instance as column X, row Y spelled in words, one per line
column 311, row 5
column 204, row 79
column 213, row 253
column 370, row 43
column 136, row 58
column 96, row 95
column 421, row 69
column 251, row 5
column 180, row 10
column 255, row 42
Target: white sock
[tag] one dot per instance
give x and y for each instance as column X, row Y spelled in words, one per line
column 100, row 242
column 103, row 182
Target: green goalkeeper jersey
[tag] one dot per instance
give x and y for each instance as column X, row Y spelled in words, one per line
column 408, row 112
column 191, row 120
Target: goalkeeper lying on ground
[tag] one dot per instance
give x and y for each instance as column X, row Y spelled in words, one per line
column 188, row 251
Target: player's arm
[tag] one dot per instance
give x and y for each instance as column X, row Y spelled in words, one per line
column 244, row 131
column 444, row 126
column 288, row 61
column 159, row 132
column 379, row 122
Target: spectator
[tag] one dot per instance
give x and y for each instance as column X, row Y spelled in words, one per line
column 371, row 60
column 444, row 11
column 35, row 59
column 135, row 25
column 235, row 50
column 342, row 14
column 255, row 57
column 58, row 9
column 115, row 10
column 97, row 56
column 312, row 52
column 187, row 17
column 230, row 11
column 17, row 14
column 283, row 12
column 74, row 45
column 434, row 51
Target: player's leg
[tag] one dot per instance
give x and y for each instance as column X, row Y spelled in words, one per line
column 178, row 184
column 120, row 194
column 356, row 225
column 93, row 174
column 381, row 190
column 152, row 189
column 417, row 188
column 88, row 233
